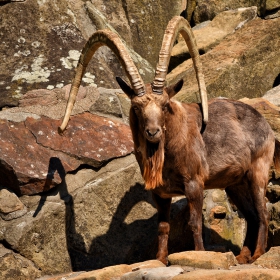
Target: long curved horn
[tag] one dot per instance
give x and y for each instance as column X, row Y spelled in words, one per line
column 179, row 25
column 113, row 41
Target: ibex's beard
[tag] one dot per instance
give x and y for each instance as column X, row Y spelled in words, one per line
column 153, row 164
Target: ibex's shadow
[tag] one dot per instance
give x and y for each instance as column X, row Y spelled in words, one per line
column 123, row 242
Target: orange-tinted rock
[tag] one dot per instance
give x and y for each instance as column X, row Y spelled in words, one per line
column 203, row 259
column 90, row 138
column 25, row 166
column 35, row 158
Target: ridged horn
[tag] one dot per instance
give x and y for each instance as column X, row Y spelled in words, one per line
column 175, row 26
column 112, row 40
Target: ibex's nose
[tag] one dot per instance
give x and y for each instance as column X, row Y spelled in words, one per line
column 152, row 132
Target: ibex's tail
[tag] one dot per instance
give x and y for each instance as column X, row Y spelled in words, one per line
column 276, row 158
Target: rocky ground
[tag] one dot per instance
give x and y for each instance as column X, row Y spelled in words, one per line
column 76, row 202
column 191, row 265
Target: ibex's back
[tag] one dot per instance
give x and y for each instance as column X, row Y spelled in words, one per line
column 237, row 139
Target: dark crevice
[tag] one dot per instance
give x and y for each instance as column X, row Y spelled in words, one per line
column 2, row 3
column 276, row 81
column 7, row 245
column 124, row 5
column 271, row 12
column 220, row 216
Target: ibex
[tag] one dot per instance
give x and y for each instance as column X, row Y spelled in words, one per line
column 182, row 149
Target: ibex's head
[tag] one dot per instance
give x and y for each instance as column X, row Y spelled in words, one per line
column 150, row 108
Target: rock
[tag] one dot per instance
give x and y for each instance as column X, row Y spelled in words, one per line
column 109, row 272
column 273, row 95
column 49, row 60
column 207, row 10
column 26, row 167
column 90, row 138
column 209, row 35
column 272, row 5
column 38, row 96
column 14, row 266
column 224, row 226
column 228, row 68
column 107, row 105
column 10, row 206
column 105, row 273
column 273, row 191
column 153, row 273
column 146, row 265
column 112, row 103
column 93, row 219
column 236, row 274
column 55, row 111
column 141, row 24
column 271, row 259
column 125, row 105
column 82, row 92
column 9, row 202
column 203, row 259
column 38, row 171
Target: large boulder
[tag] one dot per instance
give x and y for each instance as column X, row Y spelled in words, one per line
column 73, row 226
column 211, row 33
column 42, row 46
column 14, row 266
column 141, row 23
column 245, row 64
column 207, row 10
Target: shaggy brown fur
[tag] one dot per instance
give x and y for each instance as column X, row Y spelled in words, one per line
column 153, row 164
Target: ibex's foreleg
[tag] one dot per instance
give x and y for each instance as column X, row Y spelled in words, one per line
column 163, row 207
column 194, row 195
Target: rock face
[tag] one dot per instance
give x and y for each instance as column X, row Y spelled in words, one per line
column 43, row 41
column 205, row 260
column 207, row 10
column 77, row 202
column 217, row 266
column 242, row 65
column 14, row 266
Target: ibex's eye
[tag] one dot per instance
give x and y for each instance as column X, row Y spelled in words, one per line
column 135, row 108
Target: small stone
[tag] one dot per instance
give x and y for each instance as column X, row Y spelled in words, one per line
column 271, row 259
column 203, row 259
column 9, row 202
column 160, row 273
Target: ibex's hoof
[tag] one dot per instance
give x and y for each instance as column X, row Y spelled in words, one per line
column 241, row 259
column 163, row 260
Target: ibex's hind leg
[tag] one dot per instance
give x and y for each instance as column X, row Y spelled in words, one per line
column 194, row 195
column 163, row 207
column 240, row 195
column 258, row 178
column 249, row 198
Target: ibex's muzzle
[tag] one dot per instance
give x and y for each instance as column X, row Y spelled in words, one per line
column 153, row 134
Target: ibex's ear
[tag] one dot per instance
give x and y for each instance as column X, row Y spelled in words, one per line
column 174, row 89
column 125, row 87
